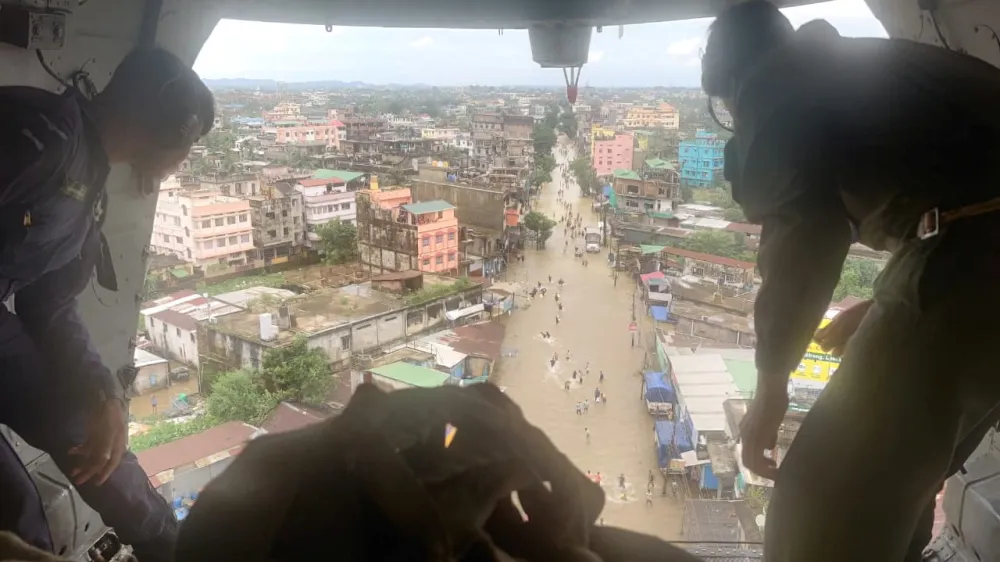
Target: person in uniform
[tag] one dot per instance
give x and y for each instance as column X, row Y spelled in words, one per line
column 56, row 393
column 885, row 142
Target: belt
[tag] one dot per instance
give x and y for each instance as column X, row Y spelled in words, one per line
column 933, row 220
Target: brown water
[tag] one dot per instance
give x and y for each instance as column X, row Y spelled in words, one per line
column 594, row 328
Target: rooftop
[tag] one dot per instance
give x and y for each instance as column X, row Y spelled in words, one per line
column 413, row 375
column 344, row 175
column 144, row 358
column 289, row 417
column 317, row 182
column 428, row 207
column 193, row 448
column 626, row 174
column 659, row 164
column 718, row 260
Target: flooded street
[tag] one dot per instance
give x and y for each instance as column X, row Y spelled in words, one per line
column 594, row 329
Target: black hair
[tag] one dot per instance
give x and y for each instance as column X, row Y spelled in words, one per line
column 738, row 37
column 163, row 97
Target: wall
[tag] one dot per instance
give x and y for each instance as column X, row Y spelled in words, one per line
column 174, row 342
column 192, row 480
column 476, row 207
column 714, row 332
column 151, row 377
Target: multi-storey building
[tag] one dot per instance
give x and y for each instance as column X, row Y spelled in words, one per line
column 324, row 200
column 638, row 195
column 294, row 132
column 445, row 134
column 278, row 223
column 501, row 141
column 362, row 128
column 702, row 159
column 396, row 235
column 662, row 115
column 204, row 228
column 612, row 152
column 235, row 185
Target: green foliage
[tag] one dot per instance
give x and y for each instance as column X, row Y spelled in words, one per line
column 568, row 124
column 240, row 396
column 240, row 283
column 545, row 163
column 166, row 431
column 734, row 214
column 551, row 117
column 434, row 292
column 539, row 177
column 857, row 279
column 718, row 243
column 338, row 242
column 541, row 225
column 219, row 140
column 297, row 372
column 687, row 194
column 586, row 177
column 544, row 139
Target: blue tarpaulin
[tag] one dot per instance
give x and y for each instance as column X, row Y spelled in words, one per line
column 670, row 433
column 658, row 388
column 659, row 313
column 607, row 190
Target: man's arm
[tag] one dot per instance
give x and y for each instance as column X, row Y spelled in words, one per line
column 48, row 310
column 802, row 251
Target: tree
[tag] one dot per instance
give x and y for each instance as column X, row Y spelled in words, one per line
column 297, row 372
column 541, row 225
column 240, row 396
column 857, row 279
column 540, row 177
column 338, row 242
column 545, row 163
column 718, row 243
column 544, row 139
column 568, row 124
column 687, row 194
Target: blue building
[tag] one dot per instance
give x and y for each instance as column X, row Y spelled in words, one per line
column 701, row 159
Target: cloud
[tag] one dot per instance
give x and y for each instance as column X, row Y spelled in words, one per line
column 685, row 47
column 595, row 56
column 422, row 42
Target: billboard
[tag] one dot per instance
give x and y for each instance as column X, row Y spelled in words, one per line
column 816, row 366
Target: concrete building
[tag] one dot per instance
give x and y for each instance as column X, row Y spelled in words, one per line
column 362, row 128
column 659, row 116
column 501, row 141
column 235, row 185
column 342, row 322
column 203, row 228
column 702, row 159
column 324, row 200
column 171, row 322
column 445, row 134
column 638, row 195
column 437, row 235
column 328, row 132
column 612, row 152
column 278, row 224
column 476, row 206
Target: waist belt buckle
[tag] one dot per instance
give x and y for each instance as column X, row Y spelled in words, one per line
column 930, row 224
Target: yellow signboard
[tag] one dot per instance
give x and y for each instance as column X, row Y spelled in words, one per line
column 817, row 366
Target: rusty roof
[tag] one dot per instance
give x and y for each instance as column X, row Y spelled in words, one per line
column 744, row 228
column 178, row 319
column 288, row 417
column 719, row 260
column 189, row 449
column 483, row 338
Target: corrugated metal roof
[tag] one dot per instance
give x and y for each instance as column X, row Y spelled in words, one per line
column 626, row 174
column 344, row 175
column 189, row 449
column 413, row 375
column 142, row 358
column 697, row 364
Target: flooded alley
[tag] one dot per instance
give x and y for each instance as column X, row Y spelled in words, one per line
column 593, row 330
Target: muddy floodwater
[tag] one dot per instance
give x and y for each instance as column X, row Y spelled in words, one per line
column 594, row 330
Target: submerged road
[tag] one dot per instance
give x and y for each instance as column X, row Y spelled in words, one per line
column 594, row 329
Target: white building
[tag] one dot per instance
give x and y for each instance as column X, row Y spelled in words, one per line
column 323, row 201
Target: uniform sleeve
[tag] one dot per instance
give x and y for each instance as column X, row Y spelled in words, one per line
column 48, row 309
column 802, row 251
column 32, row 152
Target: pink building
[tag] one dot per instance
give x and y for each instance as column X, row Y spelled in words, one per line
column 204, row 228
column 437, row 235
column 612, row 153
column 392, row 198
column 330, row 132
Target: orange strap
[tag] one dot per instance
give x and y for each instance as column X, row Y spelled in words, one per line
column 970, row 211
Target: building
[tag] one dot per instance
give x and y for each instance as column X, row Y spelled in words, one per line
column 235, row 185
column 324, row 200
column 278, row 223
column 612, row 152
column 350, row 320
column 204, row 228
column 660, row 116
column 357, row 128
column 638, row 195
column 171, row 322
column 444, row 134
column 599, row 133
column 727, row 271
column 437, row 235
column 501, row 141
column 702, row 159
column 294, row 132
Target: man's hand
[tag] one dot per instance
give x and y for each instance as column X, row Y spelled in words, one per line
column 834, row 336
column 107, row 436
column 759, row 430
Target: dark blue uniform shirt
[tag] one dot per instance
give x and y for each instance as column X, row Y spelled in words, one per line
column 52, row 203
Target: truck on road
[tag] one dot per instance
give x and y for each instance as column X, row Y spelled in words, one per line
column 592, row 237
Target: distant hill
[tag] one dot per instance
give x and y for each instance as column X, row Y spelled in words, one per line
column 272, row 85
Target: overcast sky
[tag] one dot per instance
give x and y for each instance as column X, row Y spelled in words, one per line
column 657, row 54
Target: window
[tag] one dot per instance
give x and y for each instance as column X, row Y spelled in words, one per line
column 271, row 233
column 439, row 260
column 451, row 256
column 206, row 224
column 177, row 221
column 152, row 380
column 346, row 206
column 186, row 231
column 243, row 218
column 284, row 213
column 233, row 241
column 245, row 238
column 230, row 220
column 179, row 239
column 218, row 222
column 451, row 236
column 184, row 210
column 188, row 252
column 427, row 261
column 191, row 335
column 177, row 331
column 286, row 231
column 345, row 342
column 427, row 241
column 440, row 214
column 220, row 242
column 206, row 244
column 439, row 239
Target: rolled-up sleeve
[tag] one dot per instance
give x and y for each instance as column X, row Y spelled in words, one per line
column 802, row 251
column 48, row 310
